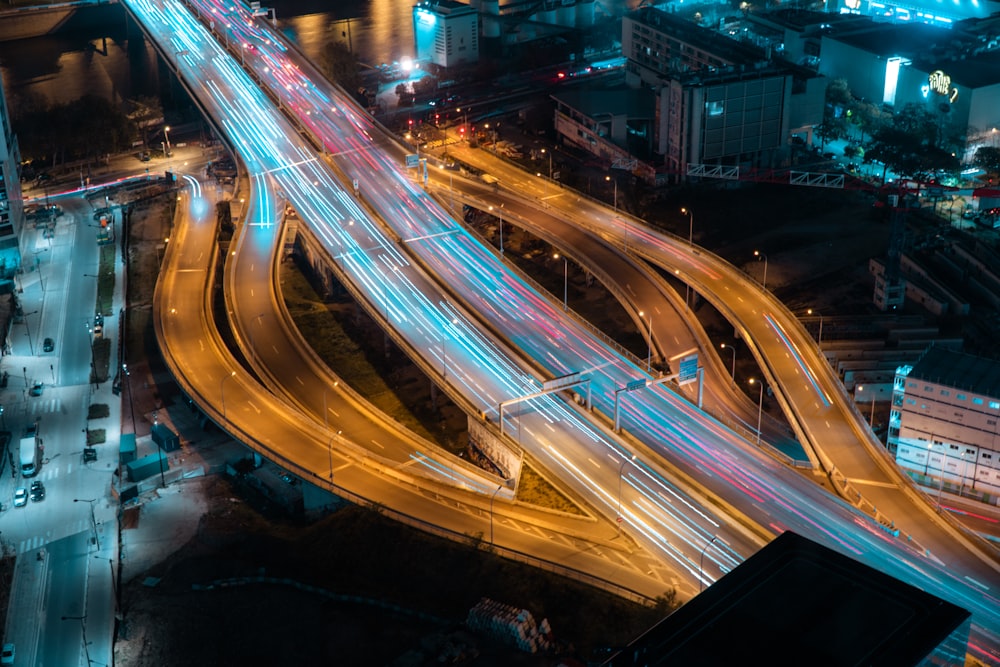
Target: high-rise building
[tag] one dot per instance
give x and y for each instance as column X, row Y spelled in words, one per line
column 11, row 205
column 943, row 424
column 446, row 32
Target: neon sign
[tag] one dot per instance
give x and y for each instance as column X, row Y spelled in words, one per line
column 940, row 83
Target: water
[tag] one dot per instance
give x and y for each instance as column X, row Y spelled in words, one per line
column 379, row 31
column 110, row 61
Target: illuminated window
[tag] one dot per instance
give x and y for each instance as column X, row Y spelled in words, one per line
column 714, row 108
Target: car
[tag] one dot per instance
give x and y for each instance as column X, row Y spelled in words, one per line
column 37, row 389
column 20, row 496
column 37, row 492
column 7, row 654
column 89, row 454
column 144, row 156
column 48, row 345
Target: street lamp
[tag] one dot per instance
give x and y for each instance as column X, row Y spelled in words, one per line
column 444, row 349
column 701, row 562
column 27, row 328
column 760, row 405
column 690, row 215
column 733, row 350
column 615, row 181
column 222, row 392
column 649, row 348
column 492, row 498
column 759, row 255
column 819, row 338
column 499, row 210
column 93, row 520
column 166, row 140
column 550, row 162
column 621, row 472
column 565, row 279
column 871, row 416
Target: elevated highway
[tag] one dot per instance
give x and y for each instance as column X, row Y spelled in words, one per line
column 707, row 451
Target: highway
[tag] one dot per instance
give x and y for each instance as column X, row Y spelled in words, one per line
column 718, row 459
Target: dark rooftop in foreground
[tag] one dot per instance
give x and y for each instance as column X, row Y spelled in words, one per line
column 796, row 602
column 958, row 370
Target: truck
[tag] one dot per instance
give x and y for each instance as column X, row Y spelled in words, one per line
column 29, row 451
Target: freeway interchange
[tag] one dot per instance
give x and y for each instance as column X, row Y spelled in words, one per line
column 680, row 480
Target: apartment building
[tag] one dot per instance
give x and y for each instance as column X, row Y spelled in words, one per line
column 943, row 423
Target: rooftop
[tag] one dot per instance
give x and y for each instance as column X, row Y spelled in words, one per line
column 958, row 370
column 796, row 602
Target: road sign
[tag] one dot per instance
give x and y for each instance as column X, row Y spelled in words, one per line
column 636, row 385
column 412, row 160
column 688, row 369
column 564, row 381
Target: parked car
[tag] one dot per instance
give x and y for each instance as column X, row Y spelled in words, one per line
column 7, row 654
column 37, row 389
column 20, row 496
column 48, row 345
column 37, row 491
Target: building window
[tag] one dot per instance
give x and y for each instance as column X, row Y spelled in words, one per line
column 960, row 397
column 714, row 109
column 976, row 400
column 994, row 405
column 927, row 387
column 945, row 392
column 911, row 401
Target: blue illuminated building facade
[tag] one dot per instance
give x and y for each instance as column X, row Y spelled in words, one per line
column 11, row 206
column 446, row 33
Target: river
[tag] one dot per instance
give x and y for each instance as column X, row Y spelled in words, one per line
column 113, row 61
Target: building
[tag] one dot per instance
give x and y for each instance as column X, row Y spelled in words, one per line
column 797, row 602
column 446, row 32
column 714, row 100
column 11, row 204
column 943, row 423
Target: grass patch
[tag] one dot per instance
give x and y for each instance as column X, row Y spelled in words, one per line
column 101, row 348
column 96, row 436
column 535, row 489
column 106, row 280
column 98, row 411
column 347, row 357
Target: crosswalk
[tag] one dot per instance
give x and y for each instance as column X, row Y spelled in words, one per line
column 38, row 541
column 45, row 406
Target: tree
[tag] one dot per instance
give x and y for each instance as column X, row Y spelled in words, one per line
column 341, row 66
column 987, row 158
column 145, row 112
column 909, row 144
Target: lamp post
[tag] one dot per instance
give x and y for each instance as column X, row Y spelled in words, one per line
column 27, row 328
column 649, row 348
column 444, row 348
column 871, row 416
column 621, row 473
column 759, row 255
column 733, row 350
column 819, row 338
column 83, row 629
column 565, row 279
column 166, row 140
column 222, row 392
column 93, row 519
column 492, row 498
column 701, row 563
column 690, row 215
column 760, row 405
column 499, row 210
column 550, row 162
column 615, row 181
